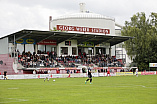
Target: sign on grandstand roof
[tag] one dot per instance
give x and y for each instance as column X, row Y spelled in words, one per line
column 82, row 29
column 47, row 42
column 25, row 41
column 86, row 44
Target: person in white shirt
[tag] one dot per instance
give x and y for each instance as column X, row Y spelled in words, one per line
column 137, row 72
column 34, row 72
column 48, row 75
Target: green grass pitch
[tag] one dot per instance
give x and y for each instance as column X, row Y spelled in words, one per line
column 104, row 90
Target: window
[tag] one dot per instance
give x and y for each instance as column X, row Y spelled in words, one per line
column 68, row 43
column 90, row 51
column 100, row 50
column 64, row 50
column 73, row 50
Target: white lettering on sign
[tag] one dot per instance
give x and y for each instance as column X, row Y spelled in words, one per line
column 82, row 29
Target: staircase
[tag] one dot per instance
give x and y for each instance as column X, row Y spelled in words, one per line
column 8, row 64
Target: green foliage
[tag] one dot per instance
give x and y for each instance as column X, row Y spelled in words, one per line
column 104, row 90
column 55, row 29
column 142, row 49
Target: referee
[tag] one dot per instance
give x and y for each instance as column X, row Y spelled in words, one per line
column 89, row 76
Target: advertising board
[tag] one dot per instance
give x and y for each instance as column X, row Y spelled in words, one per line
column 82, row 29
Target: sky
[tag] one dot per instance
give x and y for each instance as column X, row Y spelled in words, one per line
column 16, row 15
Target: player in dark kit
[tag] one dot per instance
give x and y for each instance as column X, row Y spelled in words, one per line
column 89, row 76
column 5, row 74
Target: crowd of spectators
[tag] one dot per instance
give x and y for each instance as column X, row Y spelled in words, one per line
column 101, row 60
column 106, row 61
column 37, row 60
column 50, row 59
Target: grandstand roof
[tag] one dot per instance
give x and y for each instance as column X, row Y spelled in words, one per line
column 62, row 36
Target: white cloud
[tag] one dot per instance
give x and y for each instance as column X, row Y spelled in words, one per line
column 16, row 18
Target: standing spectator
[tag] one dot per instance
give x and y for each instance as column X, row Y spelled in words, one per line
column 137, row 72
column 5, row 74
column 108, row 72
column 34, row 72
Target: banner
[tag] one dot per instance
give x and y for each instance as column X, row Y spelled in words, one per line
column 86, row 44
column 47, row 42
column 25, row 41
column 148, row 73
column 152, row 64
column 123, row 73
column 82, row 29
column 37, row 76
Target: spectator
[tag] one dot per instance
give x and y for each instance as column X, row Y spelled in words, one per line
column 5, row 75
column 34, row 72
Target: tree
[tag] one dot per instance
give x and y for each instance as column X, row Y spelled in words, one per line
column 143, row 47
column 55, row 29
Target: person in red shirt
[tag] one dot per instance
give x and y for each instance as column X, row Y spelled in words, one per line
column 108, row 72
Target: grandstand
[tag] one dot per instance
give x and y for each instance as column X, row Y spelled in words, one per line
column 25, row 62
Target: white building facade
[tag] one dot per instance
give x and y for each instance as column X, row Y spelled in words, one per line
column 84, row 21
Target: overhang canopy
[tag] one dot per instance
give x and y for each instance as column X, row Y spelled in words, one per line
column 63, row 36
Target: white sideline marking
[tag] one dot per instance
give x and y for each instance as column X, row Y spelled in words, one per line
column 119, row 85
column 16, row 100
column 13, row 88
column 145, row 86
column 130, row 85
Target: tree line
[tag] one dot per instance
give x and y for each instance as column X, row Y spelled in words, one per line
column 142, row 49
